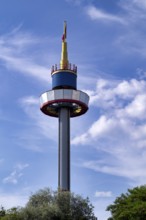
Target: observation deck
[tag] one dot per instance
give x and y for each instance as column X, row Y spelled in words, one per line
column 52, row 101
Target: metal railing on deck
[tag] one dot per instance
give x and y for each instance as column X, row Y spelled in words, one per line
column 71, row 67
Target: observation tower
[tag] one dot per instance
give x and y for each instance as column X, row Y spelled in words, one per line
column 64, row 101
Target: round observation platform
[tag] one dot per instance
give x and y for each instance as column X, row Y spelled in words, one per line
column 51, row 102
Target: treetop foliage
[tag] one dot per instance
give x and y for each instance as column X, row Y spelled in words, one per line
column 129, row 206
column 52, row 205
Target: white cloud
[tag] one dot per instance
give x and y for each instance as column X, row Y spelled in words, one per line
column 46, row 126
column 24, row 65
column 116, row 93
column 21, row 166
column 142, row 3
column 15, row 50
column 125, row 162
column 134, row 4
column 103, row 194
column 128, row 89
column 119, row 131
column 30, row 100
column 12, row 178
column 96, row 14
column 137, row 108
column 132, row 14
column 15, row 174
column 101, row 126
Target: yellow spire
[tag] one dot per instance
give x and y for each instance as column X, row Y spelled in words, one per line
column 64, row 56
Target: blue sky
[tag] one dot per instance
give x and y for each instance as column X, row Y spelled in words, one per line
column 106, row 40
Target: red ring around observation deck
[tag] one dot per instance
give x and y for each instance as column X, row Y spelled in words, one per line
column 50, row 103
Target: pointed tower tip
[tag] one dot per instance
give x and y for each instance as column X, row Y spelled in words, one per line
column 64, row 63
column 64, row 55
column 64, row 36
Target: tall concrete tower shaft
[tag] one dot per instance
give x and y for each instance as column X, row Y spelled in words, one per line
column 64, row 101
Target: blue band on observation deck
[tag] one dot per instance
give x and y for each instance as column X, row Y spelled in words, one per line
column 66, row 79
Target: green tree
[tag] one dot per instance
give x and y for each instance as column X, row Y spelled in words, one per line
column 2, row 212
column 49, row 205
column 12, row 214
column 129, row 206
